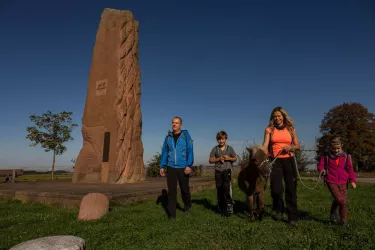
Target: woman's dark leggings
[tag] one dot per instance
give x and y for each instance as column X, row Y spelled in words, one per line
column 284, row 168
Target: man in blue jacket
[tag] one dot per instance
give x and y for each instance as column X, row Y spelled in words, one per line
column 178, row 157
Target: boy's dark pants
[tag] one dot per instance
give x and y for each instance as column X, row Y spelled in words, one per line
column 284, row 167
column 174, row 175
column 223, row 180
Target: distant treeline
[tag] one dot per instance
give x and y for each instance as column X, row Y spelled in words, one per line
column 46, row 172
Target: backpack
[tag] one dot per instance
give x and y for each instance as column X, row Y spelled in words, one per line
column 346, row 162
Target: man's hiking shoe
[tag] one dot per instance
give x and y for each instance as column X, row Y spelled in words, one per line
column 293, row 223
column 228, row 211
column 278, row 217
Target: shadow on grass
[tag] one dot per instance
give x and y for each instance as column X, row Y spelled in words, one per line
column 240, row 207
column 306, row 215
column 206, row 204
column 163, row 201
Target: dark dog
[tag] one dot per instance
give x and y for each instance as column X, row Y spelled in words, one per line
column 252, row 180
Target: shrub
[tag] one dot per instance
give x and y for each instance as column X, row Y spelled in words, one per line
column 153, row 169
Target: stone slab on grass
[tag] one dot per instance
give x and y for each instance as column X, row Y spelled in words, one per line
column 60, row 242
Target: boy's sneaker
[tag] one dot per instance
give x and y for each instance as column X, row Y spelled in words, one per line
column 187, row 210
column 230, row 209
column 219, row 209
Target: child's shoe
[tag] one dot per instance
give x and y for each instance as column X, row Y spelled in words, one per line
column 343, row 223
column 334, row 218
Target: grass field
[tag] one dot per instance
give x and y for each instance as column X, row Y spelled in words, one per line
column 206, row 173
column 43, row 177
column 144, row 225
column 358, row 174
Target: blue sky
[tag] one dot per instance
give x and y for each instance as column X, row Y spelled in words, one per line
column 218, row 65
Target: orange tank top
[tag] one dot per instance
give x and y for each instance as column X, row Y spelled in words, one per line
column 280, row 139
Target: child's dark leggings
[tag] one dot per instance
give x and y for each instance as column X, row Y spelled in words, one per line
column 339, row 193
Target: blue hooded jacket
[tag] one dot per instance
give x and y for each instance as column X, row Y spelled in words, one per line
column 180, row 155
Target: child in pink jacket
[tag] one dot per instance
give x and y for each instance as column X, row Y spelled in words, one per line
column 338, row 171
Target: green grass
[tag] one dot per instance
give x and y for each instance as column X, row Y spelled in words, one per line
column 366, row 175
column 43, row 177
column 68, row 176
column 358, row 174
column 144, row 225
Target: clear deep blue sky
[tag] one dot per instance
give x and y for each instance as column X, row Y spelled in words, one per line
column 218, row 65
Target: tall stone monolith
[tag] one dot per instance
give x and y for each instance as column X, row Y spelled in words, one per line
column 112, row 150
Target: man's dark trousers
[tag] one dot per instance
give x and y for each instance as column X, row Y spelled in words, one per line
column 174, row 175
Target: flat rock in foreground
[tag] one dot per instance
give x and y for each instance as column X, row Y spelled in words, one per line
column 61, row 242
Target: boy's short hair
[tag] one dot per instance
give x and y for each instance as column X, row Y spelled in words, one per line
column 221, row 134
column 335, row 141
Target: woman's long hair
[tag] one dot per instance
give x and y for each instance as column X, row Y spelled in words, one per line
column 288, row 122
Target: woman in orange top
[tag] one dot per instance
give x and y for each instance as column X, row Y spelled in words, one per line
column 281, row 140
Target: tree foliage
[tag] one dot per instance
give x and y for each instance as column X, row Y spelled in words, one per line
column 153, row 169
column 244, row 158
column 356, row 127
column 51, row 131
column 302, row 159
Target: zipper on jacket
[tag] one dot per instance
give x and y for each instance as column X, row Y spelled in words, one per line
column 338, row 171
column 175, row 157
column 175, row 150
